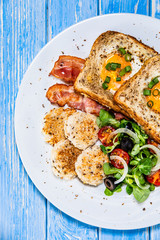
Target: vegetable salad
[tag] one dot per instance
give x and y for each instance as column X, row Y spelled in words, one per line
column 134, row 159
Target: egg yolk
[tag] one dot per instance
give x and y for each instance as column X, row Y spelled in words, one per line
column 113, row 84
column 155, row 99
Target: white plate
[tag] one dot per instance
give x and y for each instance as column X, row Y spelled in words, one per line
column 87, row 204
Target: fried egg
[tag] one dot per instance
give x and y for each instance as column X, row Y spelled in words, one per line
column 116, row 57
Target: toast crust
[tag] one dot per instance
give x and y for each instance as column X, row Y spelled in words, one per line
column 138, row 110
column 91, row 84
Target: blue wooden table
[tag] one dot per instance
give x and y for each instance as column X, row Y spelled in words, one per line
column 25, row 27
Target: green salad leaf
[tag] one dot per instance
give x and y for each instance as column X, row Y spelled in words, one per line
column 108, row 149
column 106, row 118
column 152, row 187
column 108, row 169
column 135, row 149
column 140, row 194
column 129, row 189
column 145, row 166
column 141, row 161
column 137, row 129
column 108, row 192
column 118, row 188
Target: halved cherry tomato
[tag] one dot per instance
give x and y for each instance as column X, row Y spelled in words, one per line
column 154, row 178
column 152, row 142
column 103, row 135
column 119, row 152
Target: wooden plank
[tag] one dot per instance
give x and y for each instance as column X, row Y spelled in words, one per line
column 124, row 6
column 63, row 227
column 62, row 14
column 155, row 12
column 22, row 207
column 116, row 6
column 140, row 234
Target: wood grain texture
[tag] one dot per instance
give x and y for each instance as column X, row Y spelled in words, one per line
column 63, row 227
column 62, row 14
column 60, row 226
column 22, row 207
column 124, row 6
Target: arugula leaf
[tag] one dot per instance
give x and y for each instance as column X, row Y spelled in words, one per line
column 141, row 194
column 118, row 188
column 129, row 189
column 117, row 176
column 137, row 129
column 129, row 181
column 145, row 166
column 124, row 123
column 152, row 187
column 144, row 153
column 103, row 148
column 108, row 149
column 134, row 162
column 140, row 133
column 98, row 121
column 111, row 170
column 154, row 160
column 106, row 118
column 108, row 192
column 135, row 149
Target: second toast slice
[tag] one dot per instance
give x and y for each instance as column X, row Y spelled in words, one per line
column 140, row 97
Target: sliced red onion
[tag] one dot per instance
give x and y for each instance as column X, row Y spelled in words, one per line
column 157, row 152
column 127, row 131
column 125, row 168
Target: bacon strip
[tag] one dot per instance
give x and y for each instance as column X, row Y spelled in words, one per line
column 119, row 116
column 62, row 94
column 67, row 68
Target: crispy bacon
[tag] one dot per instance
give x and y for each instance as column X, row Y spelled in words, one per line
column 67, row 68
column 119, row 116
column 62, row 94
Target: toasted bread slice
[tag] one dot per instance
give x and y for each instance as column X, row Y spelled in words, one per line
column 105, row 49
column 131, row 98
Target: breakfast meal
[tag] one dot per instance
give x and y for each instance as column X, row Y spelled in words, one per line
column 110, row 130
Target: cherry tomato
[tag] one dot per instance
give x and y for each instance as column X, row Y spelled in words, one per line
column 103, row 135
column 119, row 152
column 154, row 178
column 152, row 142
